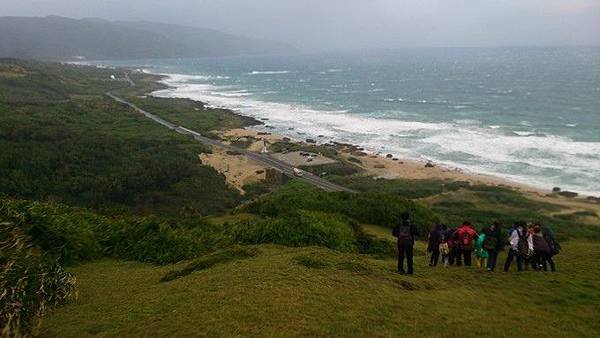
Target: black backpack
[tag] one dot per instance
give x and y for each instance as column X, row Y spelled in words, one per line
column 523, row 246
column 403, row 233
column 490, row 243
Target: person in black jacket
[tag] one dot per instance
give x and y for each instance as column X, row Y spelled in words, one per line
column 554, row 246
column 493, row 244
column 433, row 246
column 405, row 232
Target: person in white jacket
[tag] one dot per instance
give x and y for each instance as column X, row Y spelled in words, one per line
column 516, row 234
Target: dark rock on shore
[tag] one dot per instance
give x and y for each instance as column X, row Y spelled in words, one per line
column 246, row 120
column 556, row 189
column 568, row 194
column 593, row 199
column 389, row 156
column 310, row 140
column 429, row 165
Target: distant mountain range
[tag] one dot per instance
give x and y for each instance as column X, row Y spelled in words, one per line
column 60, row 38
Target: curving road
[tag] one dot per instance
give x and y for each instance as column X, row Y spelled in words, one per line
column 263, row 159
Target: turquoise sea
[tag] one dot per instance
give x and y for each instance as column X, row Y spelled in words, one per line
column 527, row 114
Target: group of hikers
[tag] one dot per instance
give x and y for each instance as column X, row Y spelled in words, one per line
column 530, row 244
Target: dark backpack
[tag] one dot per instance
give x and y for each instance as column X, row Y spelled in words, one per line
column 490, row 243
column 549, row 237
column 540, row 244
column 403, row 232
column 523, row 246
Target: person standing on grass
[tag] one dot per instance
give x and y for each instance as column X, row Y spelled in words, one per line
column 541, row 249
column 554, row 246
column 516, row 240
column 452, row 246
column 433, row 246
column 493, row 244
column 405, row 232
column 466, row 237
column 529, row 261
column 481, row 254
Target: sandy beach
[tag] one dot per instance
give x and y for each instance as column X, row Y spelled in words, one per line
column 239, row 170
column 389, row 168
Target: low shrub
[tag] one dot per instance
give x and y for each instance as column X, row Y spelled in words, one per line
column 299, row 228
column 335, row 169
column 74, row 235
column 372, row 208
column 31, row 283
column 60, row 232
column 378, row 247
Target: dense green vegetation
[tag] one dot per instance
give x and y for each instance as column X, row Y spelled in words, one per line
column 373, row 208
column 454, row 202
column 194, row 115
column 62, row 140
column 312, row 148
column 332, row 169
column 400, row 187
column 76, row 235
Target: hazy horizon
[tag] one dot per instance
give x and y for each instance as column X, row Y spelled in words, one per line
column 341, row 25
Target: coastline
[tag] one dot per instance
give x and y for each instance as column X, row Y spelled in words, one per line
column 394, row 168
column 378, row 166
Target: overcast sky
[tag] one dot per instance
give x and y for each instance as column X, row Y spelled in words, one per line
column 349, row 24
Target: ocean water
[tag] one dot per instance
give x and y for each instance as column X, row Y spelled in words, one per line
column 531, row 115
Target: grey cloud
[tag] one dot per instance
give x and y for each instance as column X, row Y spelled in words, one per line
column 347, row 24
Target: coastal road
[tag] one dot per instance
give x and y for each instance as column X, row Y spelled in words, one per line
column 131, row 83
column 263, row 159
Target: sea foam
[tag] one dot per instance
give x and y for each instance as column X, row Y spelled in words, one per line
column 523, row 156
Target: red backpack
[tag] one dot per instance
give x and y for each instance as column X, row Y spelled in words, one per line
column 466, row 240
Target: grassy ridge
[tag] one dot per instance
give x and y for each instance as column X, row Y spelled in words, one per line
column 454, row 202
column 334, row 294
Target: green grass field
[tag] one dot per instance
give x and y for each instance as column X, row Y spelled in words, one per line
column 318, row 292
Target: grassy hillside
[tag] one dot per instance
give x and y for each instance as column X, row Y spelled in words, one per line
column 63, row 140
column 319, row 292
column 454, row 202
